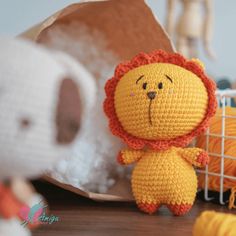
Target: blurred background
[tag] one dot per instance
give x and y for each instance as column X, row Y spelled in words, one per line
column 18, row 16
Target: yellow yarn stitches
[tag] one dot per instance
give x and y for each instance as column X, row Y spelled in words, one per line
column 165, row 113
column 162, row 101
column 164, row 178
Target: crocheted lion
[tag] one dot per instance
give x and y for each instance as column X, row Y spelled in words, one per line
column 157, row 103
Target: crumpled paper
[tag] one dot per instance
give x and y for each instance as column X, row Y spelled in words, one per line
column 118, row 30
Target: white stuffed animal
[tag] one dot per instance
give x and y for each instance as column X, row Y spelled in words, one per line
column 44, row 98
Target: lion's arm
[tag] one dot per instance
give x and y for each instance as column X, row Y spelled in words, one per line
column 195, row 156
column 128, row 156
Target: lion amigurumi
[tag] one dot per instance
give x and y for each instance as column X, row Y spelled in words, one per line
column 157, row 103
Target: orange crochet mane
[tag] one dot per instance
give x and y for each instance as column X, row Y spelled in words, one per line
column 144, row 59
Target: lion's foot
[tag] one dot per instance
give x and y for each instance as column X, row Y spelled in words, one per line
column 149, row 208
column 179, row 210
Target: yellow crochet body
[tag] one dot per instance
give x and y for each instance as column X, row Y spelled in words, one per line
column 164, row 178
column 157, row 103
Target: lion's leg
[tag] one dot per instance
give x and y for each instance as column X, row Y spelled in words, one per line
column 179, row 210
column 149, row 208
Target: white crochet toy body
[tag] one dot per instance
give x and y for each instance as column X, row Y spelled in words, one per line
column 44, row 98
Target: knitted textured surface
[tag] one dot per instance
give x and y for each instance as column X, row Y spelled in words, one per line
column 157, row 103
column 164, row 177
column 181, row 111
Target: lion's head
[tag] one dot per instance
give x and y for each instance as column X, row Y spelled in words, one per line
column 159, row 100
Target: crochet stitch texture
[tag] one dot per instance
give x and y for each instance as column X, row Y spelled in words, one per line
column 157, row 103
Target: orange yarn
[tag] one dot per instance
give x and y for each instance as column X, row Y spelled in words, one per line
column 215, row 147
column 9, row 205
column 232, row 198
column 157, row 103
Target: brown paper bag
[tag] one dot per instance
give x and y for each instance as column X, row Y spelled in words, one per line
column 119, row 29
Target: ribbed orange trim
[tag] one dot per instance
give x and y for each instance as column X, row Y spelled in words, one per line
column 203, row 158
column 120, row 159
column 144, row 59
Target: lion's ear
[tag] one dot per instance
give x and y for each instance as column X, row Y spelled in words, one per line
column 198, row 62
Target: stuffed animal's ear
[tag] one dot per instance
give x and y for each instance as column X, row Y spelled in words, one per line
column 198, row 62
column 77, row 95
column 69, row 111
column 81, row 76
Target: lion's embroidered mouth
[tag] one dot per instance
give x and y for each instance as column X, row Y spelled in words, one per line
column 149, row 112
column 151, row 95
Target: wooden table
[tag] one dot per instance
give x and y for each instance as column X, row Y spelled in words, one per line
column 82, row 217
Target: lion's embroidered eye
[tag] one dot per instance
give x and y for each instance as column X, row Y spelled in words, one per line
column 144, row 85
column 160, row 85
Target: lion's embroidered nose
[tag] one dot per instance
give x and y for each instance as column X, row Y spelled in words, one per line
column 151, row 95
